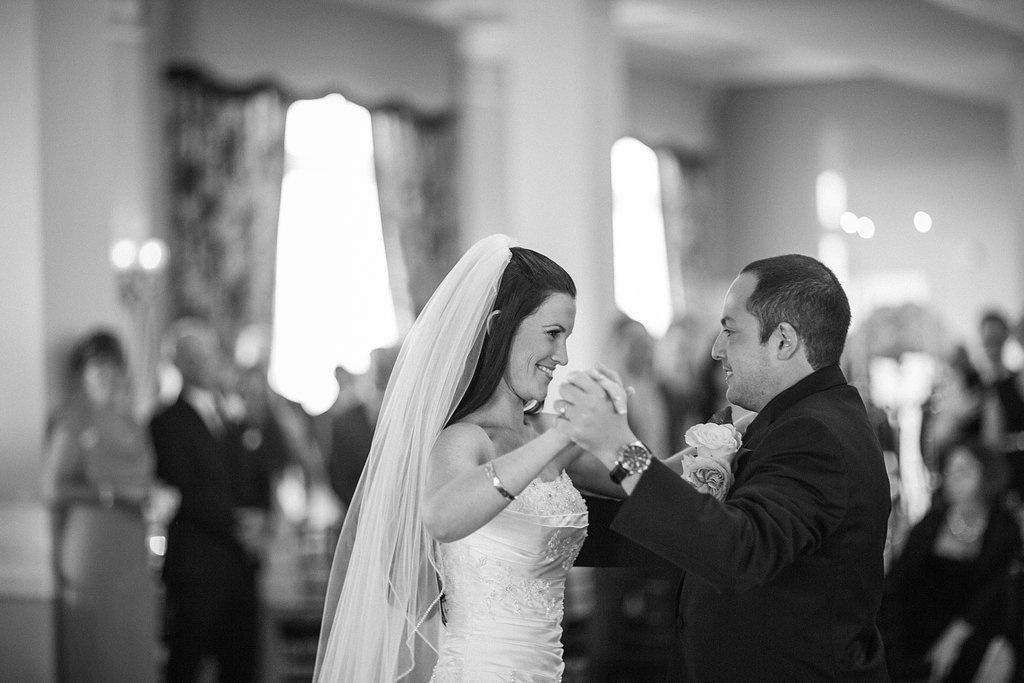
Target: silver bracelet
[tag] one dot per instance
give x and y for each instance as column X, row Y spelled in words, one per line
column 495, row 482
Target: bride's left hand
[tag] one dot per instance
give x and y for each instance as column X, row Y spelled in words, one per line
column 542, row 422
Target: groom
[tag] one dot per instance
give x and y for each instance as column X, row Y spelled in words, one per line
column 783, row 580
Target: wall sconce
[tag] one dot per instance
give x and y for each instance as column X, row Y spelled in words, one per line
column 138, row 265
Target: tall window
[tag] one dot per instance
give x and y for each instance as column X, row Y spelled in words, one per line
column 638, row 236
column 332, row 302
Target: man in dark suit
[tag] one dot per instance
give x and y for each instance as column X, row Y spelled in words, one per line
column 353, row 421
column 211, row 560
column 783, row 581
column 1002, row 421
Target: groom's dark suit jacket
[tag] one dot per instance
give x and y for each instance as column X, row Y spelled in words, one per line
column 783, row 582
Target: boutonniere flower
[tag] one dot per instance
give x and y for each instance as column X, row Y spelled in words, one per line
column 712, row 449
column 707, row 475
column 707, row 463
column 718, row 441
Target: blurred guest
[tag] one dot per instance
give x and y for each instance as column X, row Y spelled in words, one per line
column 296, row 426
column 213, row 545
column 1018, row 330
column 260, row 453
column 712, row 387
column 898, row 524
column 888, row 438
column 630, row 349
column 994, row 333
column 629, row 630
column 953, row 411
column 97, row 475
column 353, row 420
column 680, row 357
column 945, row 615
column 1003, row 411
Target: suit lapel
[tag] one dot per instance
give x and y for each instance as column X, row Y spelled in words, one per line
column 820, row 380
column 214, row 429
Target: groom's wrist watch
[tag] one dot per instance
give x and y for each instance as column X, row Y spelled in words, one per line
column 634, row 458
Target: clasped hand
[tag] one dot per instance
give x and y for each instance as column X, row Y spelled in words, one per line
column 592, row 410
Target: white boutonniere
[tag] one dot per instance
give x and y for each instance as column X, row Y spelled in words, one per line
column 707, row 462
column 718, row 441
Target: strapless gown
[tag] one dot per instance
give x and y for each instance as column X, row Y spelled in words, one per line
column 505, row 587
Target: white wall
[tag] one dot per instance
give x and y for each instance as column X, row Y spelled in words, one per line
column 901, row 151
column 662, row 111
column 22, row 344
column 76, row 114
column 24, row 541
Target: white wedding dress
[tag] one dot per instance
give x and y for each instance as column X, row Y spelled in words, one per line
column 505, row 586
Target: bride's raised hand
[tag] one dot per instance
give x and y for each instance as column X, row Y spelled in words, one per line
column 542, row 422
column 592, row 411
column 611, row 382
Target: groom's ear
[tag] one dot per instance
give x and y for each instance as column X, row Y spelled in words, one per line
column 786, row 341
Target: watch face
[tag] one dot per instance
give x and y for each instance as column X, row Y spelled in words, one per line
column 635, row 457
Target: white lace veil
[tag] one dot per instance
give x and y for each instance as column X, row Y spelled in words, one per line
column 381, row 617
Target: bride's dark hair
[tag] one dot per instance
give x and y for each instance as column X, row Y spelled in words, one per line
column 528, row 279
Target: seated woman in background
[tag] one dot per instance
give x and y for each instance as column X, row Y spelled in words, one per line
column 946, row 610
column 97, row 474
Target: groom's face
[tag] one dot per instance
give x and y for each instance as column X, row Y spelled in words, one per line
column 746, row 361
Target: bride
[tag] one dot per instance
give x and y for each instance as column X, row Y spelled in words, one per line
column 452, row 560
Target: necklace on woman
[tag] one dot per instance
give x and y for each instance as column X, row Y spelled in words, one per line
column 964, row 529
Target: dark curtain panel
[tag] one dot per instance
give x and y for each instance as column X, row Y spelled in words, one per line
column 415, row 166
column 687, row 202
column 226, row 153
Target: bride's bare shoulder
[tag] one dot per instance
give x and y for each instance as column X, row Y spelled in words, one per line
column 464, row 430
column 464, row 438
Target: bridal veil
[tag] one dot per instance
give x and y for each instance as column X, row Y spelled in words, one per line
column 381, row 617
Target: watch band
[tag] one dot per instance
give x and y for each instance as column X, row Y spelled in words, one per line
column 618, row 473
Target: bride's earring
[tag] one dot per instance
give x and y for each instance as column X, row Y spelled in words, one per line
column 490, row 321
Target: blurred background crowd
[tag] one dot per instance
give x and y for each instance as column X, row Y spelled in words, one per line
column 252, row 495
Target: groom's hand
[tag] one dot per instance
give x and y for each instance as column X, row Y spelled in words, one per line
column 592, row 413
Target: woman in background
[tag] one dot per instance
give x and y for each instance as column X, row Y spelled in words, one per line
column 947, row 598
column 631, row 348
column 97, row 474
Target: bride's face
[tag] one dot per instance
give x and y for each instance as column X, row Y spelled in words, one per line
column 538, row 347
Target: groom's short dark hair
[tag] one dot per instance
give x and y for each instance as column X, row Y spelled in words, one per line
column 803, row 292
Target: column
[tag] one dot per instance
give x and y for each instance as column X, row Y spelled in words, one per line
column 543, row 150
column 133, row 82
column 483, row 50
column 1015, row 107
column 26, row 585
column 76, row 105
